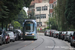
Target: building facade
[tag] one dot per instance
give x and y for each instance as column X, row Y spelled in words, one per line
column 41, row 14
column 42, row 10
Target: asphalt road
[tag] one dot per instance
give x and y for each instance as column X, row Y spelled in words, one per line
column 43, row 43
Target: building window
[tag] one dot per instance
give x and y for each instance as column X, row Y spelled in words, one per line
column 40, row 16
column 44, row 8
column 51, row 6
column 39, row 23
column 38, row 8
column 37, row 16
column 43, row 15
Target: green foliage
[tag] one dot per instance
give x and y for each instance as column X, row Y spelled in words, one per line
column 60, row 15
column 9, row 9
column 53, row 23
column 21, row 16
column 70, row 12
column 16, row 24
column 27, row 2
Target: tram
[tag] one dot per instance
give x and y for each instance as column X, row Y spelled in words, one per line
column 30, row 29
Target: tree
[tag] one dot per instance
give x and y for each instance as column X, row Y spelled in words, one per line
column 60, row 15
column 21, row 16
column 53, row 23
column 70, row 12
column 16, row 24
column 9, row 9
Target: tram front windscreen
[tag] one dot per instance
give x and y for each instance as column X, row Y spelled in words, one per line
column 29, row 27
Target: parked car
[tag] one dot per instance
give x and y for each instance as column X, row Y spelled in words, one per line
column 67, row 35
column 18, row 33
column 47, row 33
column 56, row 33
column 52, row 32
column 1, row 37
column 70, row 36
column 59, row 36
column 72, row 39
column 63, row 35
column 11, row 35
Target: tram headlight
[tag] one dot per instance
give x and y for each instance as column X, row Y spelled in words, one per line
column 25, row 34
column 32, row 33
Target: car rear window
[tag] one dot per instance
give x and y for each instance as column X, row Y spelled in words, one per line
column 70, row 33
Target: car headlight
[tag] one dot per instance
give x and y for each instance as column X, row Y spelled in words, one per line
column 32, row 33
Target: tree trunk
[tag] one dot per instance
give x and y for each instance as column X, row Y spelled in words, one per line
column 6, row 27
column 2, row 25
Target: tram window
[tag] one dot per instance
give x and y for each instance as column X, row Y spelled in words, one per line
column 29, row 27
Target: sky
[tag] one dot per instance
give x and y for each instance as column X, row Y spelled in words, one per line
column 26, row 9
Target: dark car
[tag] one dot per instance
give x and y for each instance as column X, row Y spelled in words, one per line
column 59, row 36
column 18, row 34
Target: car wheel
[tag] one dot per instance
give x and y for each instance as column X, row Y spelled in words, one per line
column 71, row 44
column 4, row 42
column 13, row 40
column 1, row 43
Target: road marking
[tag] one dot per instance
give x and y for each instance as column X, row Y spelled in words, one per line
column 33, row 49
column 32, row 41
column 25, row 45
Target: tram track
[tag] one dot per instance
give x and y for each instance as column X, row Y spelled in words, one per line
column 25, row 45
column 43, row 42
column 39, row 44
column 54, row 44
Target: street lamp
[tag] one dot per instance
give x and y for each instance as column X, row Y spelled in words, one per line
column 40, row 18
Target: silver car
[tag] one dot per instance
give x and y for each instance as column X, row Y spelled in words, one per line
column 56, row 33
column 47, row 33
column 67, row 35
column 11, row 35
